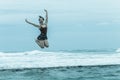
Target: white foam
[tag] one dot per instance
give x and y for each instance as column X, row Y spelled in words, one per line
column 39, row 59
column 118, row 50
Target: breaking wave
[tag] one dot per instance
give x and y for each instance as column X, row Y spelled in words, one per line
column 41, row 59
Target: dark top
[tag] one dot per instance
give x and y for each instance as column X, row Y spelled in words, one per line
column 43, row 35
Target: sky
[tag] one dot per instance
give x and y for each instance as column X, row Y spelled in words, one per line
column 73, row 24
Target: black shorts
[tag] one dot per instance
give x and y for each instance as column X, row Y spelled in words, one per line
column 42, row 37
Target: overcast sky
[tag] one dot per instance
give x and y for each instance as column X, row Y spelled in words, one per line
column 73, row 24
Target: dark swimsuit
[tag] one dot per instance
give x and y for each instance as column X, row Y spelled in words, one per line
column 43, row 35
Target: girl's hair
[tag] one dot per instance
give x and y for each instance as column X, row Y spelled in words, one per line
column 41, row 17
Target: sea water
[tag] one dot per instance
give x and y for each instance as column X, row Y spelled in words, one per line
column 61, row 65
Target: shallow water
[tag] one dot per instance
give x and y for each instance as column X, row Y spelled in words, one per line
column 109, row 72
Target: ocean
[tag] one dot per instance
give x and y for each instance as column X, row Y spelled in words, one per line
column 97, row 64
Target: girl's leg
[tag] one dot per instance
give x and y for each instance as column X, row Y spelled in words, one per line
column 40, row 43
column 46, row 44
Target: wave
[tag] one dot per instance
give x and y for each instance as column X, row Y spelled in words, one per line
column 118, row 50
column 89, row 50
column 41, row 59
